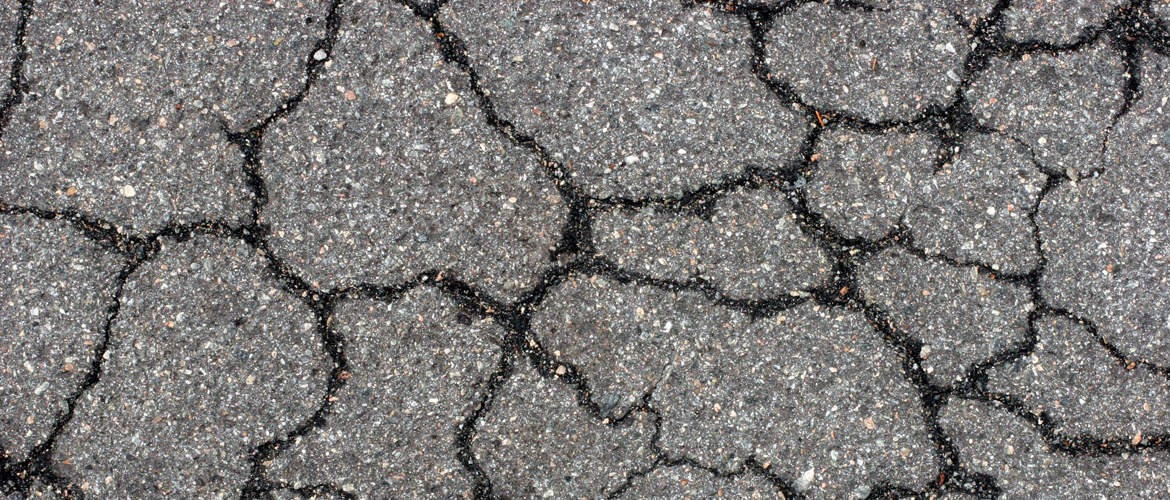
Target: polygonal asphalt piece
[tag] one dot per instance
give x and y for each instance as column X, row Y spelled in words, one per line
column 1055, row 21
column 863, row 184
column 1060, row 106
column 123, row 115
column 1106, row 237
column 751, row 247
column 1073, row 378
column 388, row 169
column 993, row 441
column 1161, row 8
column 797, row 390
column 207, row 359
column 54, row 292
column 879, row 65
column 639, row 98
column 538, row 442
column 962, row 316
column 976, row 209
column 417, row 368
column 671, row 483
column 9, row 19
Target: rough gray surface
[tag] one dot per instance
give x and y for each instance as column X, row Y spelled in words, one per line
column 962, row 316
column 377, row 177
column 1055, row 21
column 726, row 395
column 1062, row 107
column 827, row 53
column 207, row 359
column 1073, row 378
column 977, row 209
column 690, row 482
column 995, row 442
column 639, row 98
column 122, row 119
column 1106, row 237
column 864, row 184
column 54, row 291
column 750, row 247
column 417, row 372
column 537, row 442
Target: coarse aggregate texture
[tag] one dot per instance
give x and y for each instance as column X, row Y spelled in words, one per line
column 206, row 360
column 57, row 286
column 416, row 370
column 403, row 173
column 963, row 317
column 749, row 247
column 1106, row 236
column 865, row 184
column 415, row 202
column 639, row 98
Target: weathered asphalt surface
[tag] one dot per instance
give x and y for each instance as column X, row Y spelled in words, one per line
column 585, row 249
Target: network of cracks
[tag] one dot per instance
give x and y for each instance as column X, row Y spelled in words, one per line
column 902, row 361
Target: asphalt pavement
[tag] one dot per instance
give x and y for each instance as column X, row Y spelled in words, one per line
column 585, row 249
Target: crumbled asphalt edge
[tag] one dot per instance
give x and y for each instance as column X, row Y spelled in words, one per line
column 1130, row 28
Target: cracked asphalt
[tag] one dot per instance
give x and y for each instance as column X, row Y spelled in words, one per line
column 585, row 249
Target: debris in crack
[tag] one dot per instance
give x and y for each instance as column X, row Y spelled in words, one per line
column 749, row 248
column 538, row 442
column 375, row 178
column 207, row 359
column 996, row 442
column 1106, row 237
column 863, row 184
column 54, row 293
column 416, row 366
column 977, row 209
column 962, row 316
column 1061, row 106
column 637, row 99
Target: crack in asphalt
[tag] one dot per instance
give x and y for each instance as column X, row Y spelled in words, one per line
column 1130, row 28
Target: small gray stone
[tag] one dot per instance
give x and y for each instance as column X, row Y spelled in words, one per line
column 751, row 247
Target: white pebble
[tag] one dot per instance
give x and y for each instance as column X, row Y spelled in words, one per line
column 128, row 191
column 320, row 55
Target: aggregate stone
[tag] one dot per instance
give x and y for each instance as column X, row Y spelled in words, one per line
column 207, row 360
column 54, row 291
column 827, row 54
column 376, row 177
column 1106, row 237
column 977, row 209
column 750, row 247
column 962, row 316
column 537, row 442
column 637, row 98
column 799, row 390
column 690, row 482
column 993, row 441
column 863, row 184
column 418, row 368
column 125, row 102
column 1055, row 21
column 1060, row 106
column 1073, row 378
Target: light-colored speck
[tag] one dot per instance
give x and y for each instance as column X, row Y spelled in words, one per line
column 320, row 55
column 128, row 191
